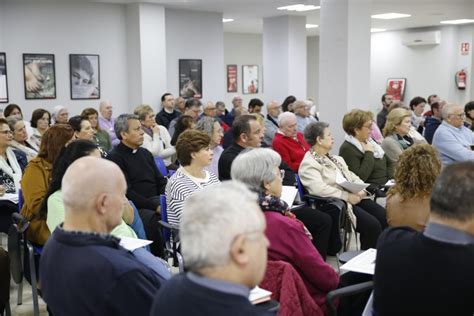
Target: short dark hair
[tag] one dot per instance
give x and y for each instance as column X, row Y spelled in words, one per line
column 38, row 114
column 434, row 105
column 255, row 102
column 430, row 97
column 183, row 123
column 192, row 102
column 383, row 96
column 9, row 109
column 76, row 121
column 163, row 97
column 241, row 125
column 469, row 107
column 191, row 141
column 452, row 193
column 289, row 99
column 415, row 101
column 313, row 131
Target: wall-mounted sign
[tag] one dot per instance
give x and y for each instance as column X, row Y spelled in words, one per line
column 465, row 48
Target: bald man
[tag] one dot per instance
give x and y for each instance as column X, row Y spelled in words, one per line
column 84, row 270
column 106, row 121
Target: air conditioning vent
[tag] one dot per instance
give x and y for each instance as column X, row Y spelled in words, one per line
column 421, row 38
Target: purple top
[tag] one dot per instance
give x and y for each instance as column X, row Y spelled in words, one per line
column 108, row 126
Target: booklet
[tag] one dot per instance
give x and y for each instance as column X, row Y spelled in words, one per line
column 288, row 194
column 259, row 295
column 133, row 243
column 363, row 263
column 350, row 186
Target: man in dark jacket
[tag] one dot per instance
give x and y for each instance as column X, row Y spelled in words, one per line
column 434, row 121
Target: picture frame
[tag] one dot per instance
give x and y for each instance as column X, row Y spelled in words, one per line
column 396, row 88
column 3, row 78
column 232, row 84
column 190, row 78
column 250, row 79
column 84, row 76
column 39, row 76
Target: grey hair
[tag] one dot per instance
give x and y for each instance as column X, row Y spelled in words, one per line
column 207, row 105
column 12, row 120
column 285, row 116
column 254, row 166
column 313, row 131
column 206, row 124
column 448, row 109
column 121, row 123
column 207, row 230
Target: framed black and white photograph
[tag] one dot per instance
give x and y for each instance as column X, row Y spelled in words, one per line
column 84, row 76
column 250, row 79
column 190, row 78
column 3, row 79
column 39, row 76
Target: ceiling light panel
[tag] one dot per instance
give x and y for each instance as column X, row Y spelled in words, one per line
column 390, row 16
column 299, row 7
column 460, row 21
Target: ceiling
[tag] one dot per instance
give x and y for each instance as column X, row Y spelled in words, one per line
column 248, row 14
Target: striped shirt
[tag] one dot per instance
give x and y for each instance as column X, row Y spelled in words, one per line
column 181, row 186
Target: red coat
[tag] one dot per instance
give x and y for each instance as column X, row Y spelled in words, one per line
column 291, row 151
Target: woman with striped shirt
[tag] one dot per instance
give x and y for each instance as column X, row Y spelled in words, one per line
column 194, row 154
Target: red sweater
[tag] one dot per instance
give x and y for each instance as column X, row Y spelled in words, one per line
column 291, row 151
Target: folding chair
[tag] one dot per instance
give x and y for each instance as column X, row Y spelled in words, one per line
column 160, row 164
column 348, row 291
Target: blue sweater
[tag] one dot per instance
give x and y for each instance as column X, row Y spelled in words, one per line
column 90, row 274
column 453, row 143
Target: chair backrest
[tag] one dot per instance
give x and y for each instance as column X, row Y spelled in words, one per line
column 21, row 200
column 15, row 251
column 160, row 164
column 300, row 186
column 164, row 217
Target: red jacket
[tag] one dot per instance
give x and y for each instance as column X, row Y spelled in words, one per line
column 291, row 151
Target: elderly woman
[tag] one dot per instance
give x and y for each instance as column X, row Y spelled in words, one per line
column 408, row 202
column 364, row 156
column 40, row 121
column 60, row 115
column 194, row 155
column 212, row 127
column 320, row 174
column 102, row 137
column 15, row 110
column 20, row 137
column 156, row 138
column 37, row 176
column 303, row 117
column 396, row 132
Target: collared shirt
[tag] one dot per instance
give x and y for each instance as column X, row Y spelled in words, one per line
column 453, row 143
column 108, row 126
column 218, row 285
column 448, row 234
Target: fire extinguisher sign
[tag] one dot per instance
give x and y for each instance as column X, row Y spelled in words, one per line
column 465, row 48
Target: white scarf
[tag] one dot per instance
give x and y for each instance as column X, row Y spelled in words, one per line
column 13, row 169
column 30, row 153
column 378, row 151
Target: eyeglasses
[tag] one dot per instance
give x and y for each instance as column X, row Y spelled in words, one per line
column 461, row 116
column 282, row 173
column 6, row 132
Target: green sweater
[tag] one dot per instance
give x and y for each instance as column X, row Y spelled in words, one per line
column 369, row 169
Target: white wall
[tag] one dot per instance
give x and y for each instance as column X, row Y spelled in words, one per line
column 63, row 29
column 196, row 35
column 243, row 49
column 313, row 68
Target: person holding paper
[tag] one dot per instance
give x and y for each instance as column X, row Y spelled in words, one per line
column 321, row 174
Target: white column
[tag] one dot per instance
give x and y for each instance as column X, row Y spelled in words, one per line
column 284, row 57
column 344, row 68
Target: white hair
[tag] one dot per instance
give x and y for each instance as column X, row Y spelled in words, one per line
column 210, row 223
column 448, row 109
column 254, row 166
column 284, row 117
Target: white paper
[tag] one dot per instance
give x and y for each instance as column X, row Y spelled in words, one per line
column 133, row 243
column 363, row 263
column 258, row 293
column 350, row 186
column 288, row 194
column 390, row 183
column 13, row 197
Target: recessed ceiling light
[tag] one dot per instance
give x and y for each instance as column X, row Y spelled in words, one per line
column 375, row 30
column 227, row 20
column 389, row 16
column 460, row 21
column 299, row 7
column 311, row 26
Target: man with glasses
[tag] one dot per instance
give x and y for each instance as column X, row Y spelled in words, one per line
column 271, row 121
column 453, row 140
column 192, row 107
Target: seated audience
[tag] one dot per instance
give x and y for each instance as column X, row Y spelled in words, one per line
column 408, row 200
column 168, row 112
column 361, row 153
column 107, row 121
column 40, row 121
column 453, row 140
column 469, row 119
column 83, row 269
column 183, row 123
column 21, row 141
column 228, row 136
column 60, row 115
column 102, row 137
column 10, row 177
column 82, row 128
column 417, row 107
column 288, row 142
column 144, row 182
column 382, row 115
column 213, row 129
column 236, row 105
column 36, row 179
column 194, row 156
column 433, row 121
column 413, row 133
column 396, row 132
column 287, row 105
column 423, row 273
column 209, row 109
column 223, row 263
column 156, row 138
column 319, row 172
column 303, row 118
column 271, row 121
column 15, row 111
column 192, row 108
column 255, row 106
column 179, row 103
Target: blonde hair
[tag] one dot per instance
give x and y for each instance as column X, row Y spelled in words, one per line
column 395, row 118
column 142, row 111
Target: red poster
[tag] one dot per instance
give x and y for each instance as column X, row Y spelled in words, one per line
column 231, row 78
column 465, row 48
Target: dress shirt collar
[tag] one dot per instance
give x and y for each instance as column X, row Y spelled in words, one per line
column 448, row 234
column 218, row 285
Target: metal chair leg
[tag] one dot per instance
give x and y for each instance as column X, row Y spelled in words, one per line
column 8, row 311
column 34, row 286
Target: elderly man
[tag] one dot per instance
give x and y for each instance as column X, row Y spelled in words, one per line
column 271, row 121
column 423, row 273
column 106, row 121
column 223, row 264
column 144, row 182
column 192, row 107
column 382, row 115
column 237, row 104
column 288, row 142
column 303, row 117
column 167, row 113
column 453, row 140
column 179, row 104
column 84, row 270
